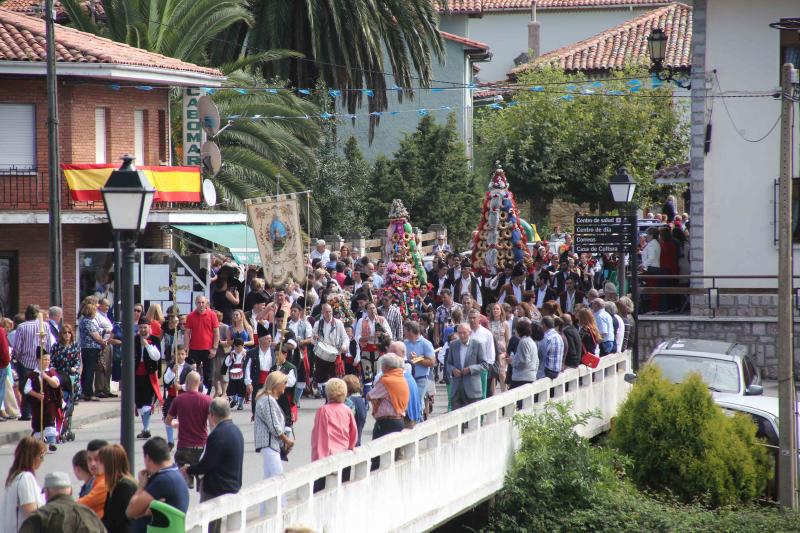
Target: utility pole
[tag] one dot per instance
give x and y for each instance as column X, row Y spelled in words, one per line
column 787, row 458
column 53, row 167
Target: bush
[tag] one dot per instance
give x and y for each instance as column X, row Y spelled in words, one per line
column 555, row 473
column 679, row 441
column 560, row 482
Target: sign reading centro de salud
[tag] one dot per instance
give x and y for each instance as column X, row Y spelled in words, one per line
column 193, row 136
column 601, row 234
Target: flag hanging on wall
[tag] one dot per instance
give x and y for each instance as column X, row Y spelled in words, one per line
column 276, row 222
column 172, row 184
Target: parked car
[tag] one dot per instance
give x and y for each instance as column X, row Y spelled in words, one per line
column 726, row 367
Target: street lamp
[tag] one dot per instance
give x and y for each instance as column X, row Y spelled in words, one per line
column 657, row 47
column 622, row 187
column 127, row 196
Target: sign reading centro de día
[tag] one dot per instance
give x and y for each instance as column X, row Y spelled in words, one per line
column 193, row 136
column 602, row 234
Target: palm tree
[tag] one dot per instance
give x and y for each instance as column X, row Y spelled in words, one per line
column 348, row 45
column 176, row 28
column 254, row 151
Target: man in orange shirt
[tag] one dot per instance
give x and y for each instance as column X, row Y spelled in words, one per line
column 96, row 499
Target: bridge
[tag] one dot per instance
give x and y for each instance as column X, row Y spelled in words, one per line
column 417, row 479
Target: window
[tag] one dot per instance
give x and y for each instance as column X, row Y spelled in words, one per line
column 139, row 128
column 18, row 137
column 100, row 136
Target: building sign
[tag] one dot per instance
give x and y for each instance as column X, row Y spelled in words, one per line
column 193, row 136
column 598, row 235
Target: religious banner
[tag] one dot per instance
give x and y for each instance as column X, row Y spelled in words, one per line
column 276, row 223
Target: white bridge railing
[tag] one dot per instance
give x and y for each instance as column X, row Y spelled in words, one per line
column 426, row 475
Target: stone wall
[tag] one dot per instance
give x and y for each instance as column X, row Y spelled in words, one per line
column 758, row 333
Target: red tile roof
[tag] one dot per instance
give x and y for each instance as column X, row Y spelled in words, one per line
column 472, row 7
column 22, row 38
column 469, row 43
column 626, row 44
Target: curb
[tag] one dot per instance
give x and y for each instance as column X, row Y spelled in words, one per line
column 10, row 437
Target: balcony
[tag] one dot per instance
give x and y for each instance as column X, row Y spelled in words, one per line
column 28, row 191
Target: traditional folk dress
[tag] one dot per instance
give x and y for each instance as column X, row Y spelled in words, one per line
column 368, row 333
column 47, row 418
column 146, row 360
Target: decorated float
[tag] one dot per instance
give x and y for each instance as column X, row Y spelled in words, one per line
column 405, row 271
column 501, row 240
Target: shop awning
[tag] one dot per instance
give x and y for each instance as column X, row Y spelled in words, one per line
column 238, row 240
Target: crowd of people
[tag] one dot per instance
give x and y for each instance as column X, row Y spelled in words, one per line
column 340, row 336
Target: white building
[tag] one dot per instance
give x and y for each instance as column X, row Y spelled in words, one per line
column 503, row 25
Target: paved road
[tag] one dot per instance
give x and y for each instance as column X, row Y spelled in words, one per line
column 109, row 430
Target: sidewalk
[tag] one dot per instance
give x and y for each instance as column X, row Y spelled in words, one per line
column 85, row 413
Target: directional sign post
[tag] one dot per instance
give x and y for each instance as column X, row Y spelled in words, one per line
column 603, row 234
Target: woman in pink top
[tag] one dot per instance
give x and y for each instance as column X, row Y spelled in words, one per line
column 334, row 425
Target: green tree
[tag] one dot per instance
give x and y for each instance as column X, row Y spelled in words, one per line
column 430, row 173
column 349, row 45
column 557, row 144
column 342, row 185
column 680, row 441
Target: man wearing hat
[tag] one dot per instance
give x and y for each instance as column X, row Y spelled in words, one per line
column 321, row 252
column 516, row 287
column 287, row 401
column 467, row 283
column 61, row 513
column 146, row 363
column 543, row 292
column 259, row 361
column 257, row 314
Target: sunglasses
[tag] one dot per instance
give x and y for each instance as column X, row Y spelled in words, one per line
column 137, row 310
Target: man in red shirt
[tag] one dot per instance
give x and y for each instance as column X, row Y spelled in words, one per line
column 202, row 338
column 191, row 410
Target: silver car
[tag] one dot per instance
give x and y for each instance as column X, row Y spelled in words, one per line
column 726, row 367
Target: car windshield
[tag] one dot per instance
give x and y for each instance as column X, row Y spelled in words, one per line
column 721, row 376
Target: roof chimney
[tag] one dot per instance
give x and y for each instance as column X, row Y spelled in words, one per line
column 533, row 33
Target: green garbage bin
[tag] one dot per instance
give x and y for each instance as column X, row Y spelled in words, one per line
column 166, row 519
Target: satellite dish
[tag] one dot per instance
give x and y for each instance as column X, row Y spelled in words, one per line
column 210, row 157
column 209, row 193
column 209, row 115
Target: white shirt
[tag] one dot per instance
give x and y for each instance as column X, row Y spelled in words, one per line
column 462, row 353
column 23, row 490
column 442, row 280
column 570, row 301
column 485, row 337
column 540, row 293
column 517, row 289
column 29, row 384
column 324, row 255
column 620, row 333
column 264, row 363
column 171, row 375
column 360, row 325
column 104, row 323
column 605, row 325
column 377, row 280
column 651, row 255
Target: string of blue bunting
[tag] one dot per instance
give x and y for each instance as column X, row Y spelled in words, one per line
column 337, row 93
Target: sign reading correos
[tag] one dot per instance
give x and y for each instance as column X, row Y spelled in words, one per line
column 193, row 135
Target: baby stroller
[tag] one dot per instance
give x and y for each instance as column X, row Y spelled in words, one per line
column 64, row 422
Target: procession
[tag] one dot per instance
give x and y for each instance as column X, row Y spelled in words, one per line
column 433, row 265
column 386, row 340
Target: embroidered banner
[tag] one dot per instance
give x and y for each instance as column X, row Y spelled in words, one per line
column 172, row 184
column 276, row 223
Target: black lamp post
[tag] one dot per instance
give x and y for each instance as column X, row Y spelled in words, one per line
column 127, row 196
column 622, row 187
column 657, row 47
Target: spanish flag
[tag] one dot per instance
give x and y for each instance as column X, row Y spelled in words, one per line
column 172, row 184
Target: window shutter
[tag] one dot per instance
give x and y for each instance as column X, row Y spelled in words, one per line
column 17, row 137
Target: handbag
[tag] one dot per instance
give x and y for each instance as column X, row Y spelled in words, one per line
column 589, row 359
